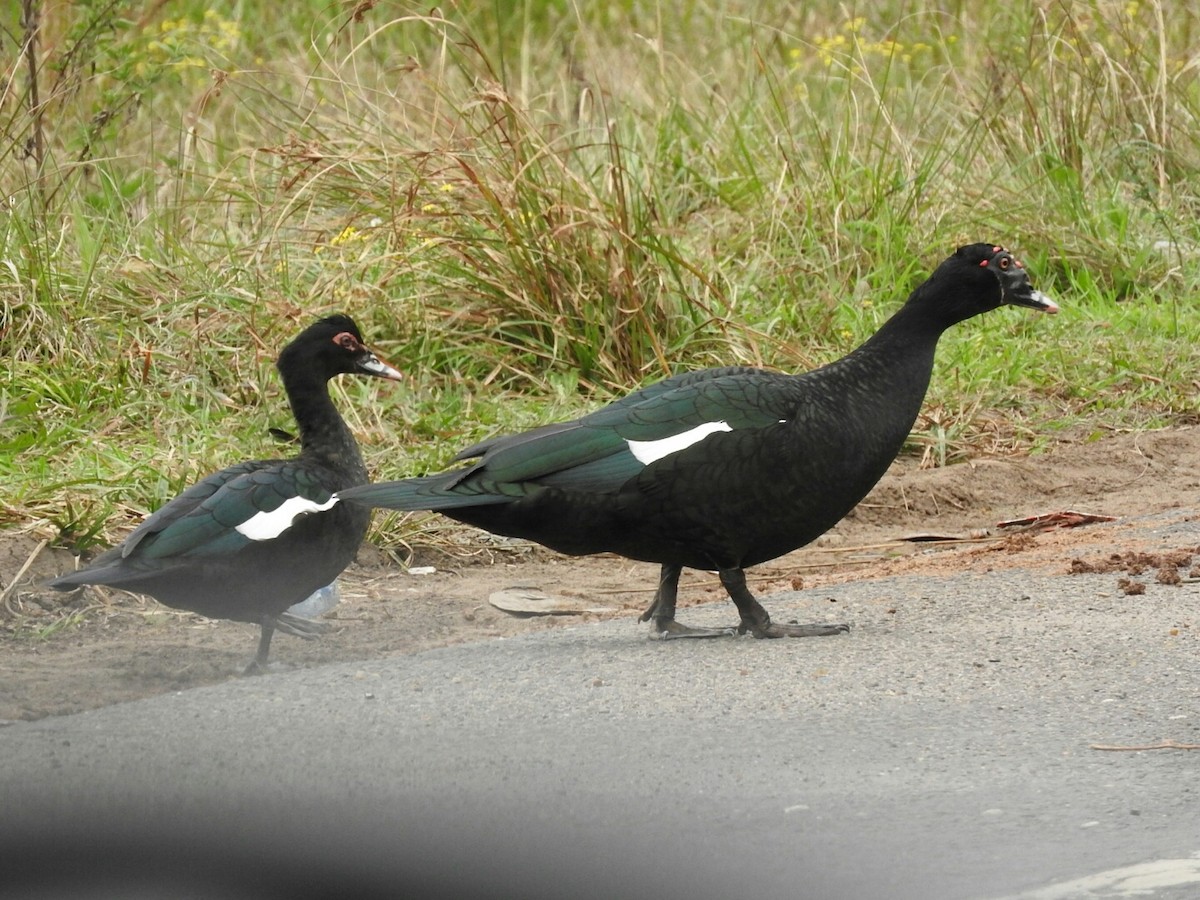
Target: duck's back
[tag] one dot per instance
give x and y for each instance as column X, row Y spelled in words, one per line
column 744, row 495
column 246, row 541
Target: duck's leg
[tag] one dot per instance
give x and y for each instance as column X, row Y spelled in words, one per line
column 661, row 612
column 258, row 665
column 756, row 620
column 297, row 626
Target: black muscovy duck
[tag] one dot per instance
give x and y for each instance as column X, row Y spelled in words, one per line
column 251, row 540
column 722, row 468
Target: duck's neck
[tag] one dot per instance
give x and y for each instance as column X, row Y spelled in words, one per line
column 907, row 339
column 885, row 379
column 912, row 324
column 324, row 434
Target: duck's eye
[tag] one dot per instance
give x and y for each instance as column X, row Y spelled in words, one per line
column 1005, row 261
column 346, row 341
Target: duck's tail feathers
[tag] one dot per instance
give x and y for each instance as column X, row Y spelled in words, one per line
column 107, row 570
column 432, row 492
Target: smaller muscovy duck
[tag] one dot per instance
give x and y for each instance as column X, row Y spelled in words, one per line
column 251, row 540
column 722, row 468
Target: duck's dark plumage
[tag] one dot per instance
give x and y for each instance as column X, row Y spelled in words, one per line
column 217, row 550
column 722, row 468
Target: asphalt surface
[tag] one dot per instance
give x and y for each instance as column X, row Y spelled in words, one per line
column 941, row 749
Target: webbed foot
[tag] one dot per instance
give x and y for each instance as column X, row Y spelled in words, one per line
column 668, row 629
column 770, row 629
column 301, row 627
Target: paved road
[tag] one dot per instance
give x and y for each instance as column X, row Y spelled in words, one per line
column 939, row 750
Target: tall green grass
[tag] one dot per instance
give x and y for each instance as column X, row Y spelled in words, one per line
column 534, row 207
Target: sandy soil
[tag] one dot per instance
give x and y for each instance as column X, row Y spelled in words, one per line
column 65, row 653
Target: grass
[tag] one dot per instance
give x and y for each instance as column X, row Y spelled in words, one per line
column 533, row 208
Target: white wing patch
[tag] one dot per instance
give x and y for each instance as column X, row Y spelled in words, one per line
column 647, row 452
column 265, row 526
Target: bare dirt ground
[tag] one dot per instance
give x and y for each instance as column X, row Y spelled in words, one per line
column 63, row 653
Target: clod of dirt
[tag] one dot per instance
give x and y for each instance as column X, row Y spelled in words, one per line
column 1167, row 563
column 1016, row 543
column 1168, row 575
column 1130, row 587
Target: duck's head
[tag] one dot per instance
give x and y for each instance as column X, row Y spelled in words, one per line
column 1010, row 273
column 980, row 277
column 334, row 346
